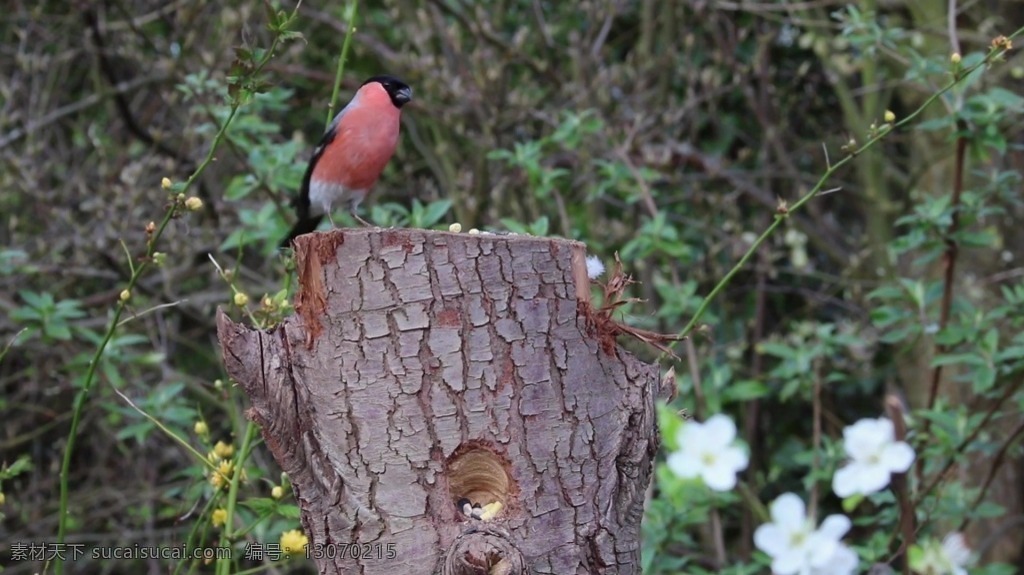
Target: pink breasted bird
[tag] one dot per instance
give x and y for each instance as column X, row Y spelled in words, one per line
column 352, row 153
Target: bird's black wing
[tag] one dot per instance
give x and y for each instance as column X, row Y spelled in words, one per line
column 306, row 221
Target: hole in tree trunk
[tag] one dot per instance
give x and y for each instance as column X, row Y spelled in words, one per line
column 478, row 476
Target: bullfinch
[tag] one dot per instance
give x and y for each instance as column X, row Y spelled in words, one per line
column 352, row 153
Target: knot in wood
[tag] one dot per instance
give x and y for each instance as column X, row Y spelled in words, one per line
column 487, row 552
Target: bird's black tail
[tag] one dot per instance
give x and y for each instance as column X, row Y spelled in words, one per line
column 303, row 226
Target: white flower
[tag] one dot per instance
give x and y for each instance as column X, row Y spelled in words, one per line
column 594, row 267
column 796, row 547
column 707, row 450
column 949, row 558
column 843, row 562
column 874, row 455
column 956, row 550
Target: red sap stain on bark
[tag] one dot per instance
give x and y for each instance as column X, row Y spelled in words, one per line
column 449, row 318
column 312, row 251
column 393, row 238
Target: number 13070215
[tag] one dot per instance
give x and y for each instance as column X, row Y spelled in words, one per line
column 351, row 551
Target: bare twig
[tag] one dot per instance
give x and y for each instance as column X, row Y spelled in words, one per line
column 997, row 463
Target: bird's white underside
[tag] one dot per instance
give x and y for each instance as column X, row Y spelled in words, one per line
column 324, row 196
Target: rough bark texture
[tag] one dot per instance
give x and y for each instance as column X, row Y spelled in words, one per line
column 426, row 367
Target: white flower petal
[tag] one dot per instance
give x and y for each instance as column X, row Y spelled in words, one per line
column 835, row 527
column 692, row 435
column 788, row 511
column 720, row 429
column 843, row 562
column 866, row 437
column 956, row 549
column 684, row 464
column 733, row 458
column 898, row 457
column 719, row 478
column 820, row 550
column 883, row 429
column 859, row 478
column 770, row 539
column 873, row 478
column 844, row 482
column 788, row 563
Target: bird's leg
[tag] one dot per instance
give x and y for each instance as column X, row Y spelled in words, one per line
column 361, row 220
column 330, row 218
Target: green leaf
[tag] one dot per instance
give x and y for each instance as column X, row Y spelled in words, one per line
column 971, row 359
column 1010, row 353
column 37, row 300
column 261, row 505
column 434, row 212
column 776, row 349
column 982, row 239
column 289, row 511
column 850, row 503
column 900, row 334
column 744, row 391
column 1006, row 99
column 984, row 379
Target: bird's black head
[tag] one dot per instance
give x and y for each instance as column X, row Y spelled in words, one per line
column 399, row 91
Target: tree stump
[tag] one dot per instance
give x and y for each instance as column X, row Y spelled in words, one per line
column 426, row 368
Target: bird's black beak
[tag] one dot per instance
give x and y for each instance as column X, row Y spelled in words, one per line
column 403, row 96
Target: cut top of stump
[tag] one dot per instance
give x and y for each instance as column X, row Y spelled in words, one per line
column 423, row 266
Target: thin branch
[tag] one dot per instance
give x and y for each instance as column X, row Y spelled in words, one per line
column 783, row 211
column 997, row 463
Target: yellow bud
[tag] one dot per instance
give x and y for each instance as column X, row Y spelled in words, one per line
column 955, row 57
column 194, row 204
column 223, row 450
column 241, row 299
column 455, row 228
column 201, row 428
column 277, row 492
column 126, row 295
column 165, row 183
column 220, row 517
column 474, row 231
column 218, row 383
column 889, row 116
column 292, row 542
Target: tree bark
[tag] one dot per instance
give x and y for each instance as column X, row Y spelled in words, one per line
column 426, row 368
